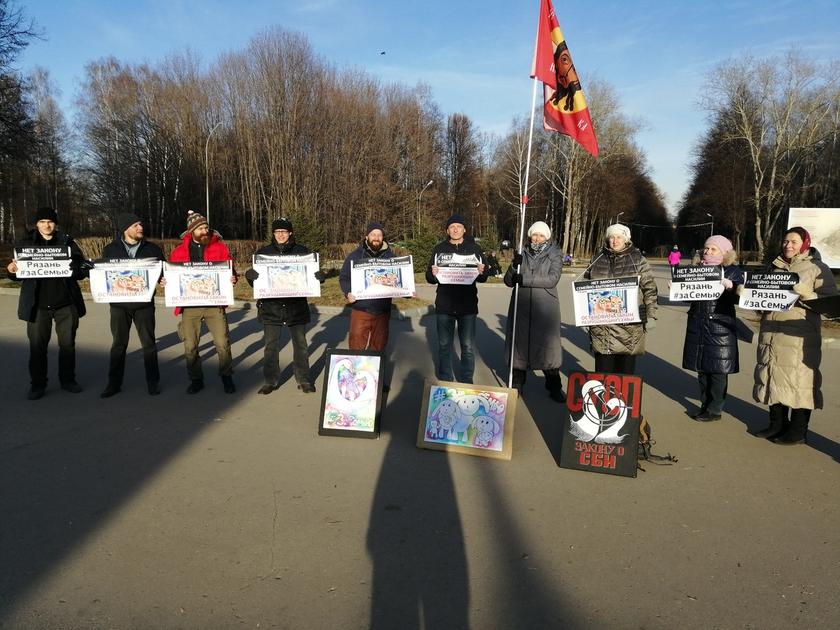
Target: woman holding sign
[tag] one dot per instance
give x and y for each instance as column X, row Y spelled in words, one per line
column 616, row 346
column 537, row 341
column 711, row 343
column 787, row 374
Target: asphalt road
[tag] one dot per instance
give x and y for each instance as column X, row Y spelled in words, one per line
column 222, row 511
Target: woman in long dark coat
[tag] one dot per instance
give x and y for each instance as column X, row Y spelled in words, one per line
column 711, row 343
column 537, row 343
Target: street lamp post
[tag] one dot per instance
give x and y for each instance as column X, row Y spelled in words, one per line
column 207, row 171
column 618, row 216
column 712, row 228
column 420, row 202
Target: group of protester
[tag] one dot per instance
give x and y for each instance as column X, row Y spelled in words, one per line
column 787, row 376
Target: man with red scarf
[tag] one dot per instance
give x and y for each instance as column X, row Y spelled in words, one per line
column 202, row 245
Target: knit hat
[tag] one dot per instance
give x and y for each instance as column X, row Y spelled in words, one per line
column 721, row 242
column 540, row 227
column 804, row 235
column 456, row 218
column 46, row 214
column 374, row 225
column 281, row 224
column 617, row 229
column 125, row 220
column 195, row 220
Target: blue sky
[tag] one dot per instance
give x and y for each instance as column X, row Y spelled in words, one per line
column 476, row 56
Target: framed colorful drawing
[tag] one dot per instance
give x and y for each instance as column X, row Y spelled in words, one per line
column 352, row 393
column 467, row 419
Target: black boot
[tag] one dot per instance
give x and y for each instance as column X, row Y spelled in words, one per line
column 778, row 422
column 196, row 385
column 554, row 385
column 227, row 381
column 797, row 428
column 519, row 380
column 110, row 390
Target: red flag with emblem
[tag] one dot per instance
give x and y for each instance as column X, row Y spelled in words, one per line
column 565, row 108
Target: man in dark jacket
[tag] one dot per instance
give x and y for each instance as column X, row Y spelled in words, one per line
column 44, row 300
column 369, row 319
column 132, row 245
column 456, row 303
column 274, row 313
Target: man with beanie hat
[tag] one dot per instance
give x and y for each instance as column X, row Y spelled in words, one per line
column 200, row 245
column 456, row 304
column 292, row 312
column 369, row 319
column 47, row 300
column 131, row 244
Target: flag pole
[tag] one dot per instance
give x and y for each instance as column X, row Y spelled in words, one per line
column 523, row 204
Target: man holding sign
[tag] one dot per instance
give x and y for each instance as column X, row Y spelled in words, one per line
column 50, row 293
column 200, row 245
column 131, row 245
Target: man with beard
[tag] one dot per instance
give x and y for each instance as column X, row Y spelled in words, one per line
column 369, row 319
column 456, row 304
column 46, row 300
column 131, row 244
column 199, row 245
column 274, row 313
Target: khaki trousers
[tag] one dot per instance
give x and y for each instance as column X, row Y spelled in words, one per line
column 189, row 330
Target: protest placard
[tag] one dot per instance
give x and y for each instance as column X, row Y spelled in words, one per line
column 198, row 284
column 769, row 291
column 43, row 262
column 124, row 280
column 372, row 278
column 456, row 268
column 286, row 276
column 694, row 283
column 606, row 301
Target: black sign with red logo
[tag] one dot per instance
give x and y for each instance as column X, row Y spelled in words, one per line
column 601, row 431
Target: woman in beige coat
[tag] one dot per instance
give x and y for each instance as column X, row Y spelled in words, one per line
column 787, row 371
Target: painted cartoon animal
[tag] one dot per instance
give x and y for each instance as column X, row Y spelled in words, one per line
column 446, row 415
column 469, row 405
column 485, row 430
column 354, row 385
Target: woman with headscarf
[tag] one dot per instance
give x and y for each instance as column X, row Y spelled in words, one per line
column 711, row 342
column 787, row 374
column 616, row 346
column 537, row 343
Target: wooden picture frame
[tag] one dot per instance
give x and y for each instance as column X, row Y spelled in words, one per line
column 351, row 399
column 468, row 419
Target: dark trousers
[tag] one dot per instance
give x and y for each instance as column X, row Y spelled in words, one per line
column 713, row 389
column 300, row 350
column 39, row 332
column 144, row 322
column 466, row 337
column 615, row 363
column 369, row 331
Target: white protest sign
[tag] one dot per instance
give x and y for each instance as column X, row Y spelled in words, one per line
column 286, row 276
column 694, row 283
column 606, row 301
column 372, row 278
column 124, row 280
column 456, row 268
column 43, row 262
column 198, row 284
column 769, row 291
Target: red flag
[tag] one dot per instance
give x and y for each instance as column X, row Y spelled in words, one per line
column 565, row 108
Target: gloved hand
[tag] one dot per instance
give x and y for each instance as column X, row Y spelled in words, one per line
column 517, row 278
column 251, row 275
column 727, row 283
column 517, row 260
column 320, row 276
column 650, row 324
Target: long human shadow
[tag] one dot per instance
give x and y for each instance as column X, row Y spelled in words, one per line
column 415, row 538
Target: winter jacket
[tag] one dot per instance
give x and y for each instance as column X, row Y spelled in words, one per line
column 457, row 299
column 375, row 306
column 623, row 338
column 789, row 342
column 538, row 341
column 66, row 291
column 674, row 258
column 289, row 311
column 115, row 250
column 216, row 251
column 711, row 343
